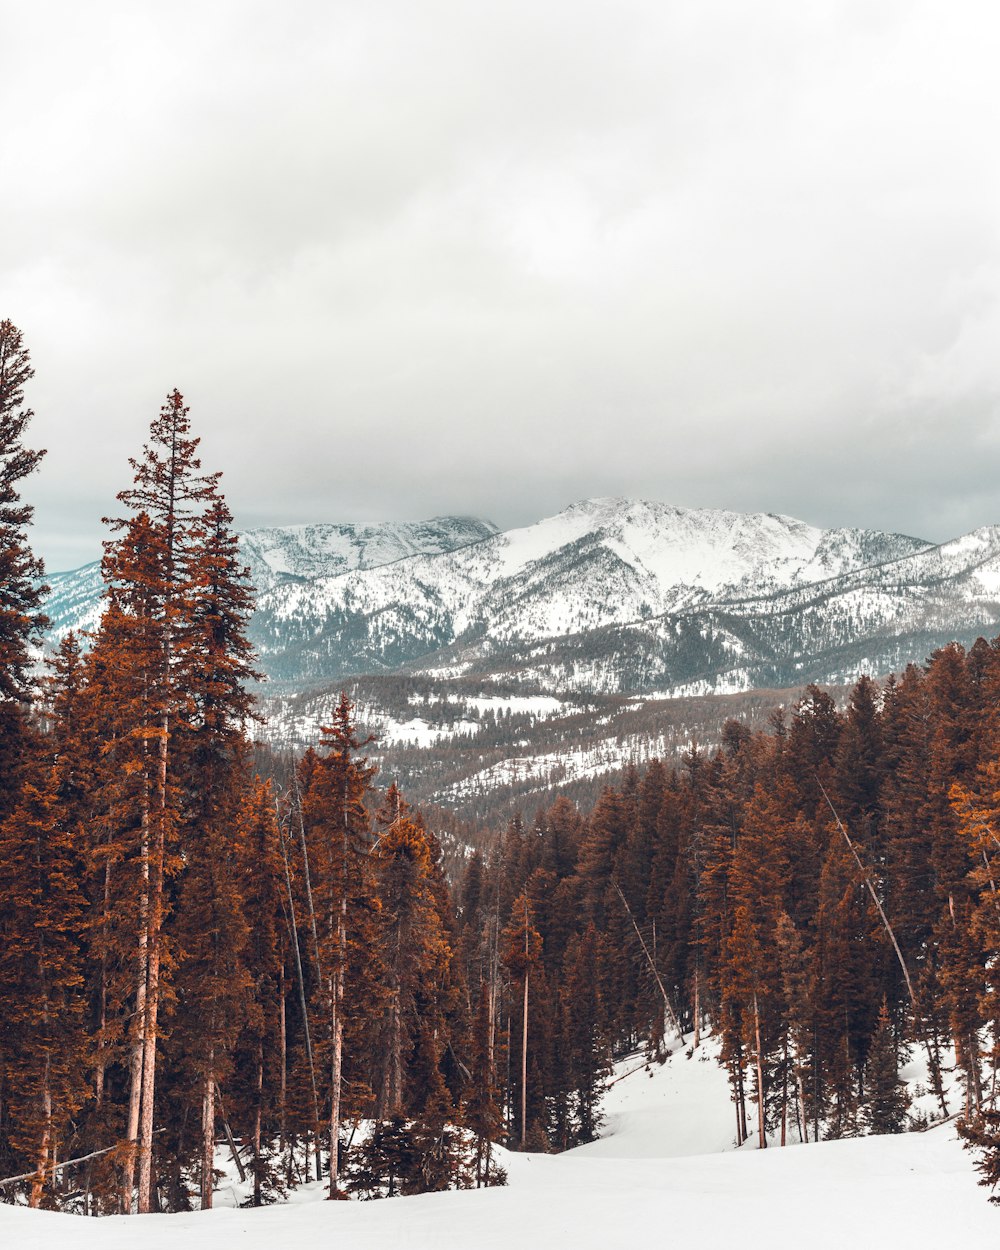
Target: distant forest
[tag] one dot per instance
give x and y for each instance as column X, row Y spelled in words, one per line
column 204, row 944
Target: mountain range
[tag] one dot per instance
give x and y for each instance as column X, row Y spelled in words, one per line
column 609, row 596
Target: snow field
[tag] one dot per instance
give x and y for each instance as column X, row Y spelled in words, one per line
column 665, row 1173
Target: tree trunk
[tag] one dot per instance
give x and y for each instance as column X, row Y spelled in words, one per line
column 337, row 1031
column 283, row 1046
column 38, row 1182
column 153, row 986
column 336, row 1080
column 139, row 1022
column 102, row 1007
column 148, row 1084
column 208, row 1139
column 257, row 1124
column 741, row 1100
column 697, row 1013
column 803, row 1118
column 524, row 1064
column 761, row 1137
column 784, row 1090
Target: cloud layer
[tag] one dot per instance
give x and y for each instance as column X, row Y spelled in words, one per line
column 407, row 259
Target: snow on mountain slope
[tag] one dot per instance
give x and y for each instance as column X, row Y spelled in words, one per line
column 281, row 555
column 610, row 595
column 303, row 552
column 599, row 563
column 74, row 599
column 703, row 548
column 662, row 1172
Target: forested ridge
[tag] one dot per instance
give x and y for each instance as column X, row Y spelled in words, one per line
column 202, row 943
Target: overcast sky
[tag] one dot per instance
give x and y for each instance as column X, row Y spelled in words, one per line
column 412, row 257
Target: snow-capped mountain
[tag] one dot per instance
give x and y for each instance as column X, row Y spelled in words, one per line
column 610, row 595
column 283, row 555
column 301, row 553
column 600, row 565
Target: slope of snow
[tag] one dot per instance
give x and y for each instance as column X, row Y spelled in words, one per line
column 662, row 1175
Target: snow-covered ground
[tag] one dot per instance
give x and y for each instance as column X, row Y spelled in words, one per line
column 665, row 1172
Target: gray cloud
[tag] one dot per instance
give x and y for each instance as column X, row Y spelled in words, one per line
column 406, row 259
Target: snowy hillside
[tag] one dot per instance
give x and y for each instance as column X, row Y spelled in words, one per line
column 665, row 1171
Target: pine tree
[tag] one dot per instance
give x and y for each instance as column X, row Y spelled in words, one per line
column 42, row 1040
column 886, row 1099
column 522, row 950
column 22, row 622
column 983, row 1135
column 334, row 787
column 146, row 639
column 482, row 1114
column 413, row 941
column 584, row 1051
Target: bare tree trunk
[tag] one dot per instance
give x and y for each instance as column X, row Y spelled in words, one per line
column 337, row 1034
column 153, row 984
column 149, row 1081
column 102, row 1007
column 139, row 1020
column 336, row 1080
column 697, row 1012
column 652, row 965
column 784, row 1090
column 801, row 1112
column 283, row 1059
column 761, row 1137
column 741, row 1101
column 934, row 1063
column 875, row 898
column 257, row 1125
column 208, row 1139
column 38, row 1181
column 294, row 934
column 308, row 882
column 524, row 1061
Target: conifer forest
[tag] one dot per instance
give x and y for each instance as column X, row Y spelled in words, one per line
column 208, row 945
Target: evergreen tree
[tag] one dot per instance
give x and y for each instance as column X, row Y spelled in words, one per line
column 522, row 950
column 983, row 1135
column 151, row 571
column 886, row 1099
column 334, row 788
column 22, row 622
column 43, row 1045
column 584, row 1052
column 482, row 1114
